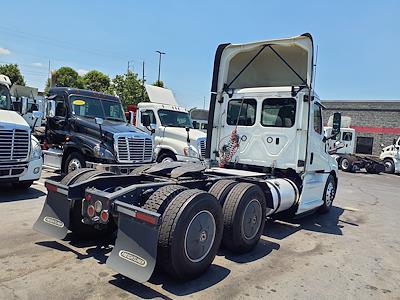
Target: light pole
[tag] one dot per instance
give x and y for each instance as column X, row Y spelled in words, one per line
column 159, row 64
column 129, row 64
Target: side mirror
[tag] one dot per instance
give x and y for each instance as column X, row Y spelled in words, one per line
column 98, row 121
column 337, row 119
column 24, row 105
column 145, row 120
column 394, row 141
column 51, row 108
column 195, row 125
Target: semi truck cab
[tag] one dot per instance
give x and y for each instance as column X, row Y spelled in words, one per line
column 20, row 152
column 391, row 157
column 89, row 128
column 171, row 126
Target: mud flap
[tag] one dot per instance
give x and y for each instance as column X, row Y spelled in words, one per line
column 135, row 251
column 54, row 218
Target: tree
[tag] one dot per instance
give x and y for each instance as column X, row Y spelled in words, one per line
column 13, row 72
column 159, row 83
column 128, row 88
column 97, row 81
column 66, row 77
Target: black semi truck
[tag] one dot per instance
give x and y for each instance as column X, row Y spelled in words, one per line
column 87, row 128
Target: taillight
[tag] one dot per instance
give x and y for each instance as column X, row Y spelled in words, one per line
column 90, row 211
column 104, row 215
column 145, row 217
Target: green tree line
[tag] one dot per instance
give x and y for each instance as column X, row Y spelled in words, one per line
column 128, row 87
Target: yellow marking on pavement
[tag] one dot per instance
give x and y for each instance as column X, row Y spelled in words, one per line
column 350, row 208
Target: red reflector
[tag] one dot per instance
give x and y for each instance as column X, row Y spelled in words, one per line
column 51, row 187
column 104, row 216
column 145, row 217
column 90, row 211
column 88, row 197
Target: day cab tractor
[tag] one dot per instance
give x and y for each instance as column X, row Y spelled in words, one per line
column 265, row 156
column 343, row 150
column 390, row 156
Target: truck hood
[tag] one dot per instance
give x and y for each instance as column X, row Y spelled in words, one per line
column 268, row 63
column 180, row 134
column 12, row 118
column 108, row 126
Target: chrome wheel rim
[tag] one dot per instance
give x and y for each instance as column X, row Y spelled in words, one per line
column 388, row 166
column 251, row 221
column 199, row 236
column 74, row 164
column 330, row 194
column 167, row 159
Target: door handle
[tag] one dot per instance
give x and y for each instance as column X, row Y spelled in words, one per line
column 311, row 158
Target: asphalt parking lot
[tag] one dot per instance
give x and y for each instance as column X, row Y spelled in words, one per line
column 351, row 253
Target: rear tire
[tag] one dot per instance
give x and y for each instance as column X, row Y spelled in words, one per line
column 139, row 170
column 190, row 234
column 389, row 165
column 244, row 217
column 221, row 189
column 161, row 198
column 372, row 169
column 22, row 185
column 77, row 227
column 71, row 177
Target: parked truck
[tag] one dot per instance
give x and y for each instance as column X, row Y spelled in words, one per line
column 343, row 150
column 390, row 156
column 266, row 155
column 20, row 152
column 87, row 128
column 171, row 126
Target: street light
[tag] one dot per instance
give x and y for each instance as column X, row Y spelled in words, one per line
column 129, row 61
column 159, row 64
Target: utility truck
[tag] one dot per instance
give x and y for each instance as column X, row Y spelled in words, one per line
column 20, row 152
column 87, row 128
column 171, row 127
column 265, row 153
column 343, row 150
column 391, row 157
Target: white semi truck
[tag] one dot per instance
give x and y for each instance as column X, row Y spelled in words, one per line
column 266, row 155
column 175, row 139
column 20, row 152
column 391, row 157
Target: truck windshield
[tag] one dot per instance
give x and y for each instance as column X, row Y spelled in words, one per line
column 94, row 107
column 172, row 118
column 5, row 100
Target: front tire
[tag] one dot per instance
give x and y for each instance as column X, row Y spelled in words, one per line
column 166, row 157
column 74, row 162
column 389, row 165
column 329, row 194
column 346, row 164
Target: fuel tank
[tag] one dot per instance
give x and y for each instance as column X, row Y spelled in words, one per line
column 284, row 194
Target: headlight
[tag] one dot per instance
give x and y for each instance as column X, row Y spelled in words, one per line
column 36, row 150
column 191, row 151
column 102, row 152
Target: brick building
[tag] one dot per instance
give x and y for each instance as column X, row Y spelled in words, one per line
column 376, row 121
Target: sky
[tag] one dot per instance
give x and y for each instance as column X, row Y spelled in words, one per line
column 358, row 41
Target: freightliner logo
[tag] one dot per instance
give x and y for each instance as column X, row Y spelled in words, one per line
column 133, row 258
column 53, row 221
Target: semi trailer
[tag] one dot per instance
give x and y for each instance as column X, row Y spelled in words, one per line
column 87, row 128
column 266, row 155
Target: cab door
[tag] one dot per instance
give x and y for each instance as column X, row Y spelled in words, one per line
column 57, row 126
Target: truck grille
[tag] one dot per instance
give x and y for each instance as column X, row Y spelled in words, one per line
column 202, row 147
column 132, row 149
column 14, row 144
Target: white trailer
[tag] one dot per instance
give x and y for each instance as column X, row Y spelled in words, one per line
column 266, row 154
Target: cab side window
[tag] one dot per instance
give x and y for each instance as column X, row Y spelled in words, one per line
column 317, row 119
column 61, row 109
column 347, row 136
column 151, row 115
